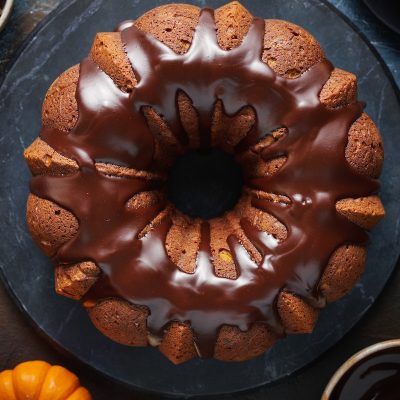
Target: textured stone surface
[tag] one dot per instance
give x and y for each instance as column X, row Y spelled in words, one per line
column 26, row 14
column 18, row 341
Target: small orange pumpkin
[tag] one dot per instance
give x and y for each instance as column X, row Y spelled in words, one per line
column 38, row 380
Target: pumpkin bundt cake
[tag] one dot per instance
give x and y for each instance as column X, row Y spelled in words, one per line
column 180, row 78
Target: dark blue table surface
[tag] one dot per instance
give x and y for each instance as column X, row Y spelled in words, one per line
column 19, row 342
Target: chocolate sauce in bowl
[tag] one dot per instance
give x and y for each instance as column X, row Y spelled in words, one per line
column 111, row 127
column 375, row 377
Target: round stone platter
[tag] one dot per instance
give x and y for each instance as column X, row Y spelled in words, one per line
column 63, row 40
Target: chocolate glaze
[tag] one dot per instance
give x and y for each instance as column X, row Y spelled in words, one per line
column 111, row 127
column 124, row 25
column 376, row 377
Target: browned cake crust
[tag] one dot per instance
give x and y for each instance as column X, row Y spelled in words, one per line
column 289, row 50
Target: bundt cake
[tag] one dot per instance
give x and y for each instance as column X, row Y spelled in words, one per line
column 181, row 78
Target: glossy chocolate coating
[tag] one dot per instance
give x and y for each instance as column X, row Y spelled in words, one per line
column 112, row 128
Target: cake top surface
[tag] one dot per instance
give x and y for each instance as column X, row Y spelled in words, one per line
column 111, row 128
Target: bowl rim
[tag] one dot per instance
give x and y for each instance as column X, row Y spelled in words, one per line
column 6, row 13
column 367, row 351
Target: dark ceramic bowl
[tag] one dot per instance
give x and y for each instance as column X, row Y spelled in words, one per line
column 6, row 11
column 356, row 358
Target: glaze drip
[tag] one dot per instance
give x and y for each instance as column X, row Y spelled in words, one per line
column 111, row 127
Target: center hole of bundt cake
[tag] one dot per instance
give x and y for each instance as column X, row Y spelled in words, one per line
column 205, row 183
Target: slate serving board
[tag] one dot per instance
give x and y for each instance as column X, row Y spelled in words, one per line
column 63, row 40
